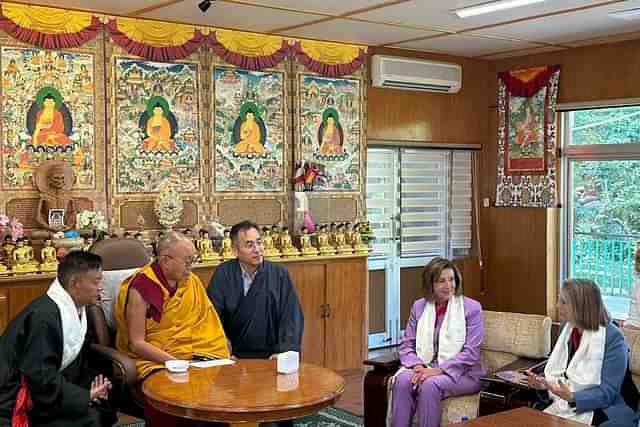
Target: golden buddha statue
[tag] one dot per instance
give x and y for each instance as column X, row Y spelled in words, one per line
column 22, row 257
column 7, row 249
column 332, row 234
column 4, row 269
column 306, row 247
column 359, row 246
column 56, row 210
column 323, row 242
column 227, row 246
column 48, row 257
column 205, row 248
column 340, row 242
column 270, row 251
column 275, row 235
column 348, row 233
column 286, row 246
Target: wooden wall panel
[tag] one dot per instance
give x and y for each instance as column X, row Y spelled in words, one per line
column 309, row 282
column 430, row 117
column 346, row 325
column 410, row 291
column 4, row 310
column 377, row 301
column 20, row 296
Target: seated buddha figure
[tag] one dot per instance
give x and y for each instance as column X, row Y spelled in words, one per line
column 306, row 247
column 205, row 248
column 49, row 123
column 56, row 209
column 330, row 134
column 48, row 256
column 286, row 246
column 323, row 242
column 7, row 249
column 159, row 124
column 340, row 241
column 359, row 246
column 227, row 246
column 250, row 136
column 270, row 251
column 23, row 261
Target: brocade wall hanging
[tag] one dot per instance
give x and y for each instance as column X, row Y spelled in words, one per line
column 527, row 137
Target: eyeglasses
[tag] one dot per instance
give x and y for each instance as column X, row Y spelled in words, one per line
column 188, row 262
column 251, row 245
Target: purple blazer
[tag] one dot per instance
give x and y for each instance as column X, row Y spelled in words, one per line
column 467, row 362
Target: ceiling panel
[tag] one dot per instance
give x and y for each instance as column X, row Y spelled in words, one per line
column 357, row 32
column 613, row 38
column 465, row 45
column 518, row 52
column 235, row 16
column 116, row 7
column 330, row 7
column 561, row 29
column 438, row 13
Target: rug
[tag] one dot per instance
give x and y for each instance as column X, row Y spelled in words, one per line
column 330, row 417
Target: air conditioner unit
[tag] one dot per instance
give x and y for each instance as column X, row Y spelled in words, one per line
column 415, row 74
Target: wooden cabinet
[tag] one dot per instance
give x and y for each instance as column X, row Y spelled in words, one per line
column 332, row 292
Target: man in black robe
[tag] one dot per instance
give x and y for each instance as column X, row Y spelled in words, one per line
column 43, row 354
column 256, row 300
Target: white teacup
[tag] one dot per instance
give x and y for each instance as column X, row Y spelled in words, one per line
column 177, row 365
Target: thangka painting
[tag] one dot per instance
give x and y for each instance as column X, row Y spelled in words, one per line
column 329, row 130
column 48, row 112
column 249, row 130
column 157, row 130
column 527, row 137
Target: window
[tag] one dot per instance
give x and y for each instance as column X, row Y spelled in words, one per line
column 601, row 190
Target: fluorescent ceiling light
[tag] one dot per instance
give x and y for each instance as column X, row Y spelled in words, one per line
column 629, row 14
column 494, row 6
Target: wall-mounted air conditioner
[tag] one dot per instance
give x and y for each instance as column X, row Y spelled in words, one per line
column 415, row 74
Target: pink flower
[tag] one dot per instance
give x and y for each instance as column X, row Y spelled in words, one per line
column 17, row 229
column 4, row 221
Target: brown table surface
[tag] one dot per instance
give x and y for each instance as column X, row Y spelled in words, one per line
column 521, row 417
column 247, row 391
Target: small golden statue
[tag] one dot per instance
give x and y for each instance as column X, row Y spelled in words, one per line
column 286, row 246
column 306, row 247
column 227, row 246
column 205, row 248
column 359, row 246
column 22, row 257
column 4, row 269
column 323, row 242
column 332, row 234
column 275, row 235
column 7, row 249
column 48, row 257
column 86, row 246
column 270, row 251
column 348, row 233
column 340, row 242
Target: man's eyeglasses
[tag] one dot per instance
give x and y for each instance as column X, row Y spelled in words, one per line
column 251, row 245
column 188, row 262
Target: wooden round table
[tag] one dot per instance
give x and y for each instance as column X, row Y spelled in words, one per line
column 250, row 390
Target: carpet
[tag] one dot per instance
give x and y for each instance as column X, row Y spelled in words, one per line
column 330, row 417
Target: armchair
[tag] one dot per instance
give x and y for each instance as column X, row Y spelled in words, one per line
column 508, row 337
column 120, row 258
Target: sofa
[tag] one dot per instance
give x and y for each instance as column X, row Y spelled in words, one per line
column 508, row 338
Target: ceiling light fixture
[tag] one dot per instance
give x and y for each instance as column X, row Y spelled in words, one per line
column 204, row 5
column 628, row 15
column 493, row 6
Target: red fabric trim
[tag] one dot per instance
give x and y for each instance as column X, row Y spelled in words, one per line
column 328, row 70
column 153, row 53
column 50, row 41
column 151, row 292
column 23, row 405
column 576, row 337
column 254, row 63
column 517, row 87
column 441, row 309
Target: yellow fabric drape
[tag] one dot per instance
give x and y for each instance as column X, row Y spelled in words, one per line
column 154, row 33
column 249, row 44
column 189, row 324
column 331, row 53
column 46, row 19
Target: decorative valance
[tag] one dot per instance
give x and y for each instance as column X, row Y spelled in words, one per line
column 154, row 40
column 46, row 27
column 330, row 59
column 250, row 51
column 527, row 137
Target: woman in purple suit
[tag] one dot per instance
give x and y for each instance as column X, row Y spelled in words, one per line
column 440, row 351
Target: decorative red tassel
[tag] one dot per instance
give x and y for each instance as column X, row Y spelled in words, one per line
column 23, row 405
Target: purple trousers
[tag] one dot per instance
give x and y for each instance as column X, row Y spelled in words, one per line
column 427, row 397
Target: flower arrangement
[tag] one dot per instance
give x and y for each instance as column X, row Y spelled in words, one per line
column 11, row 226
column 93, row 221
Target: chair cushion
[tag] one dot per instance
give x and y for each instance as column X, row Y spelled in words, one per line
column 112, row 281
column 454, row 408
column 526, row 335
column 121, row 254
column 494, row 360
column 633, row 339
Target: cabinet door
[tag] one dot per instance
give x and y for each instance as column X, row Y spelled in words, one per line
column 21, row 296
column 309, row 281
column 347, row 320
column 4, row 310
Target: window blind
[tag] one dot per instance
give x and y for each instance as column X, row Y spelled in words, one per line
column 423, row 202
column 460, row 204
column 381, row 170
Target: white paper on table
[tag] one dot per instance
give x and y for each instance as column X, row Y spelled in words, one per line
column 210, row 363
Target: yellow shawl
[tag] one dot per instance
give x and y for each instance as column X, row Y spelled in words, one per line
column 189, row 325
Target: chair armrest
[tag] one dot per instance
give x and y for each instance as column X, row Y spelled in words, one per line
column 387, row 362
column 124, row 367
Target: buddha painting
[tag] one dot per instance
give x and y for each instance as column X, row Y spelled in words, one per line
column 529, row 132
column 159, row 126
column 249, row 132
column 330, row 135
column 48, row 120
